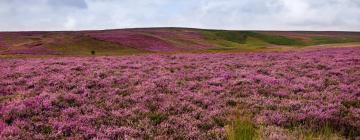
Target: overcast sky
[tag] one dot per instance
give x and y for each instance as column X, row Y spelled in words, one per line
column 215, row 14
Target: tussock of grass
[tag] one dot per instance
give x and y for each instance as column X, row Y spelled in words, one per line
column 241, row 129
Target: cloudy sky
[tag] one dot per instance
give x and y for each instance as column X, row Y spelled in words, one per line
column 214, row 14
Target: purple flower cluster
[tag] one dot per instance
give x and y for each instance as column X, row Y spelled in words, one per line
column 182, row 96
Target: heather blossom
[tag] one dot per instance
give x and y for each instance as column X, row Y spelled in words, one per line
column 179, row 96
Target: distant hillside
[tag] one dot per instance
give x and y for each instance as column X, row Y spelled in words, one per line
column 161, row 40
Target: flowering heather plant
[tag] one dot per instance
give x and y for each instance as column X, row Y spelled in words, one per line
column 182, row 96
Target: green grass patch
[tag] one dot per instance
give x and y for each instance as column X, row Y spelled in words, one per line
column 256, row 43
column 332, row 40
column 238, row 41
column 252, row 44
column 233, row 36
column 241, row 129
column 157, row 118
column 277, row 40
column 232, row 40
column 252, row 40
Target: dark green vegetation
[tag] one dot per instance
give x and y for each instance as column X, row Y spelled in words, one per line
column 233, row 36
column 233, row 41
column 331, row 40
column 162, row 40
column 276, row 39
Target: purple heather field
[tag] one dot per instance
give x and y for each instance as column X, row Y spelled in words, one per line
column 179, row 96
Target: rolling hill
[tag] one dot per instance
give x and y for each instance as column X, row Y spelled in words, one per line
column 161, row 40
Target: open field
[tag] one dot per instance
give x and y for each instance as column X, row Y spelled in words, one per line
column 309, row 94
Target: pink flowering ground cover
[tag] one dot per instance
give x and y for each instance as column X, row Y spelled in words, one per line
column 181, row 96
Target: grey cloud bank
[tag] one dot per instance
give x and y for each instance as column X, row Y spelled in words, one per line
column 18, row 15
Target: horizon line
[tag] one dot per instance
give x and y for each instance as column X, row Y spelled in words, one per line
column 174, row 27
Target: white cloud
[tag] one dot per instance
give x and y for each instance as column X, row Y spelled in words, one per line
column 225, row 14
column 70, row 23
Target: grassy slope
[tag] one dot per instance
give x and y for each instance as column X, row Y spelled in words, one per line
column 66, row 43
column 276, row 39
column 83, row 45
column 186, row 40
column 310, row 38
column 332, row 40
column 233, row 41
